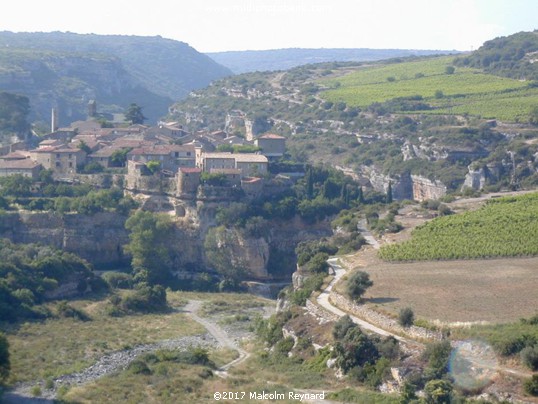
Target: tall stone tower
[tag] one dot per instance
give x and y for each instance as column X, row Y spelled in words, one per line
column 54, row 125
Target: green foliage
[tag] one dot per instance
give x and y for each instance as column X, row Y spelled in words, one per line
column 505, row 56
column 342, row 326
column 311, row 284
column 502, row 228
column 362, row 397
column 270, row 330
column 144, row 299
column 357, row 284
column 529, row 357
column 15, row 185
column 5, row 364
column 437, row 355
column 92, row 167
column 215, row 179
column 119, row 280
column 65, row 310
column 119, row 157
column 438, row 392
column 355, row 349
column 28, row 272
column 153, row 166
column 134, row 114
column 531, row 385
column 149, row 245
column 14, row 111
column 406, row 317
column 306, row 250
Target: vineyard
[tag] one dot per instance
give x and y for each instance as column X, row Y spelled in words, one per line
column 504, row 227
column 465, row 91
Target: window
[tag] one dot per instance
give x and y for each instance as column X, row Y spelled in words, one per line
column 70, row 155
column 188, row 153
column 70, row 165
column 57, row 155
column 58, row 164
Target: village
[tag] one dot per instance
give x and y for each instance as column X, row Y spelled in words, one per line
column 147, row 159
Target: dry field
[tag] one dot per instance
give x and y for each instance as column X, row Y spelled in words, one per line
column 500, row 290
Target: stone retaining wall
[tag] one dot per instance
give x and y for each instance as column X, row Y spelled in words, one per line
column 320, row 313
column 382, row 321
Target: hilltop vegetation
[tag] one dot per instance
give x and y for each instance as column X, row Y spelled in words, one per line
column 504, row 227
column 511, row 56
column 435, row 86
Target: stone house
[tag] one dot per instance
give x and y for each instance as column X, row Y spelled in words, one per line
column 59, row 159
column 171, row 157
column 249, row 164
column 271, row 145
column 24, row 166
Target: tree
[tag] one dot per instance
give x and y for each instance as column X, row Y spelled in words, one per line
column 437, row 354
column 450, row 69
column 5, row 364
column 406, row 317
column 150, row 245
column 134, row 114
column 153, row 166
column 342, row 326
column 119, row 157
column 357, row 284
column 14, row 110
column 389, row 193
column 82, row 145
column 356, row 349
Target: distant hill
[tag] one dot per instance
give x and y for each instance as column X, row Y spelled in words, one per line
column 66, row 70
column 283, row 59
column 514, row 56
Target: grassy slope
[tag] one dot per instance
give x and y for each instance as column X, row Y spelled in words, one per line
column 506, row 227
column 466, row 91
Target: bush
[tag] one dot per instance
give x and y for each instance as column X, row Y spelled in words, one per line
column 437, row 354
column 138, row 367
column 438, row 392
column 357, row 284
column 531, row 385
column 65, row 310
column 529, row 357
column 342, row 326
column 118, row 280
column 406, row 317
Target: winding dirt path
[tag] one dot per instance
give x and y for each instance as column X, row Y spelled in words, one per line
column 220, row 336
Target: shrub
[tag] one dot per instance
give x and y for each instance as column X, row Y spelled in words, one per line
column 138, row 367
column 342, row 326
column 531, row 385
column 65, row 310
column 437, row 354
column 118, row 280
column 438, row 392
column 529, row 357
column 357, row 284
column 406, row 317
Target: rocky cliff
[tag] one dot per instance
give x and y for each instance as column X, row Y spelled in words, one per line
column 100, row 239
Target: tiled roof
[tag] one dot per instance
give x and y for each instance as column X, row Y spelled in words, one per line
column 18, row 164
column 271, row 136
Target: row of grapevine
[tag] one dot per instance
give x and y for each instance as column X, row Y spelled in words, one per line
column 505, row 227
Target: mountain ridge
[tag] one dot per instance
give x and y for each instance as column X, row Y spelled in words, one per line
column 286, row 58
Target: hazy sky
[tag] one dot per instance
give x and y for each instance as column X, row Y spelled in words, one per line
column 219, row 25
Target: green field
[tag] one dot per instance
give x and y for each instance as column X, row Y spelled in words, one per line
column 467, row 90
column 504, row 227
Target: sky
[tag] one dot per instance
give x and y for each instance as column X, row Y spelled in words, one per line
column 223, row 25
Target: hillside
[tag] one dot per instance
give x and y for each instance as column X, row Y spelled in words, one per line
column 283, row 59
column 350, row 115
column 435, row 86
column 68, row 69
column 512, row 56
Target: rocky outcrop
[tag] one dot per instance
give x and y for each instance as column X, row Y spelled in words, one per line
column 424, row 188
column 478, row 178
column 97, row 238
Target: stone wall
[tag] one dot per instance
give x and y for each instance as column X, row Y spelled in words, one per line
column 322, row 315
column 382, row 321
